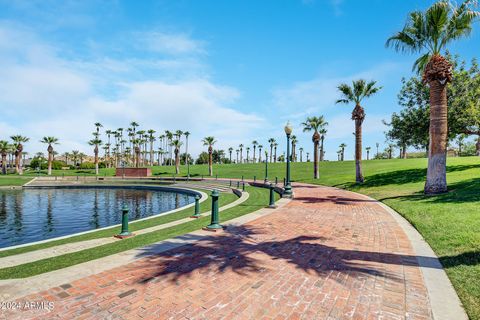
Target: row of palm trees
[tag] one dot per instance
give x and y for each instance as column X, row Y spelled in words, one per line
column 16, row 149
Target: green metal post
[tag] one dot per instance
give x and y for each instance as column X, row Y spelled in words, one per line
column 238, row 184
column 272, row 197
column 254, row 178
column 243, row 186
column 276, row 180
column 124, row 232
column 215, row 222
column 197, row 207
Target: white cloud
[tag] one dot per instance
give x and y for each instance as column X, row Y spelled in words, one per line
column 45, row 94
column 170, row 43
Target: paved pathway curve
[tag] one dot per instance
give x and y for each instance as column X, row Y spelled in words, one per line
column 328, row 254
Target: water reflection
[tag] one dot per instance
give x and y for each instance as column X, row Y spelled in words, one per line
column 37, row 214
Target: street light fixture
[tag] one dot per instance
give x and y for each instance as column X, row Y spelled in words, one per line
column 288, row 187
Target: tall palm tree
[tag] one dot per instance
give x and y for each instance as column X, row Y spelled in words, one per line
column 359, row 90
column 255, row 144
column 4, row 150
column 209, row 141
column 342, row 151
column 187, row 161
column 275, row 145
column 98, row 125
column 322, row 133
column 368, row 152
column 377, row 145
column 81, row 156
column 95, row 142
column 260, row 147
column 241, row 153
column 151, row 139
column 66, row 156
column 315, row 124
column 301, row 154
column 271, row 141
column 294, row 141
column 18, row 141
column 230, row 150
column 248, row 152
column 428, row 33
column 50, row 141
column 176, row 144
column 74, row 156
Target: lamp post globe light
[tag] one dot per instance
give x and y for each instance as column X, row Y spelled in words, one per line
column 288, row 187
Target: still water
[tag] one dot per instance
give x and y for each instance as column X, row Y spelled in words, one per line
column 37, row 214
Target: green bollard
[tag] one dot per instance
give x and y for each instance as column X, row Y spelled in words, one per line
column 272, row 197
column 276, row 180
column 243, row 186
column 230, row 183
column 214, row 223
column 197, row 207
column 242, row 178
column 124, row 232
column 238, row 184
column 216, row 177
column 254, row 178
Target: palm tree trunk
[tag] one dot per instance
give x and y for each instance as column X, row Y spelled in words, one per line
column 271, row 153
column 96, row 163
column 210, row 160
column 4, row 163
column 50, row 163
column 177, row 162
column 321, row 148
column 437, row 150
column 275, row 156
column 316, row 173
column 358, row 151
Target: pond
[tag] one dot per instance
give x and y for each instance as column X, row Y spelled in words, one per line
column 30, row 215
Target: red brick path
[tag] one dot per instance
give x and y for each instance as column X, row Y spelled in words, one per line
column 328, row 254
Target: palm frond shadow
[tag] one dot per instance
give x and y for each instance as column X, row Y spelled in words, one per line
column 237, row 250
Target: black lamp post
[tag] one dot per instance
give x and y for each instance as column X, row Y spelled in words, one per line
column 288, row 187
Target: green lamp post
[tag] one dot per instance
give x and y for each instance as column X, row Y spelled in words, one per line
column 215, row 221
column 288, row 187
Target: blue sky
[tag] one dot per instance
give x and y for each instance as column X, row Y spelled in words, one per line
column 237, row 70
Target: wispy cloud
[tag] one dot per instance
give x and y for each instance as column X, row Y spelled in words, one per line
column 170, row 43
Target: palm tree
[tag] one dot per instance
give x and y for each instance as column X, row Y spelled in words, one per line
column 428, row 33
column 294, row 144
column 241, row 153
column 49, row 141
column 359, row 90
column 74, row 156
column 342, row 151
column 254, row 143
column 322, row 133
column 301, row 153
column 81, row 156
column 316, row 124
column 4, row 150
column 95, row 142
column 18, row 141
column 230, row 150
column 151, row 139
column 260, row 147
column 248, row 151
column 275, row 145
column 368, row 152
column 209, row 141
column 271, row 141
column 187, row 161
column 98, row 125
column 177, row 144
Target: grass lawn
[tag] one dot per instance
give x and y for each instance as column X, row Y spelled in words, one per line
column 13, row 180
column 257, row 200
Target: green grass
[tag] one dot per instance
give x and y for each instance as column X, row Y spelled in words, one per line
column 13, row 180
column 225, row 198
column 257, row 200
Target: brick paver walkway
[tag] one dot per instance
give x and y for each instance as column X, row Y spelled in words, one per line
column 328, row 254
